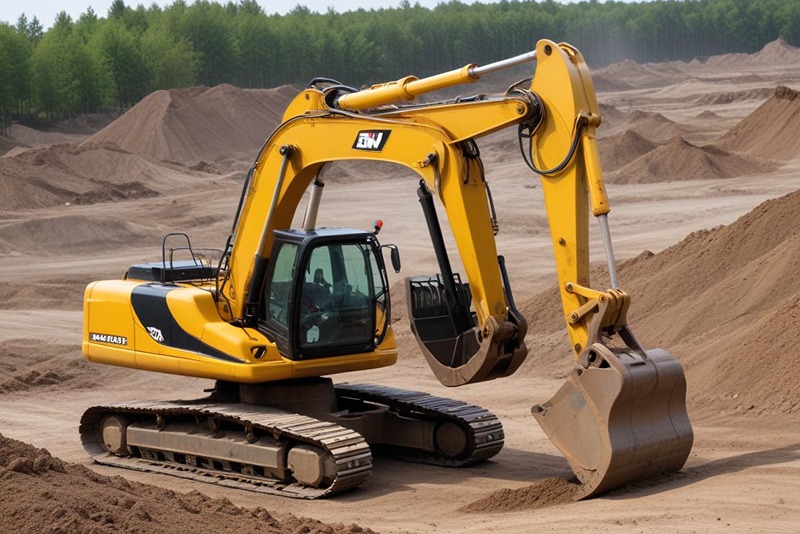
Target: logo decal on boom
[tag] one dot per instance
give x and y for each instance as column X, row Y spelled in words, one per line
column 373, row 140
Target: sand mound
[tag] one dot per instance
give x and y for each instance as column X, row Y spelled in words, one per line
column 650, row 125
column 72, row 233
column 85, row 124
column 653, row 126
column 31, row 137
column 87, row 174
column 29, row 364
column 47, row 294
column 199, row 124
column 668, row 68
column 605, row 83
column 771, row 130
column 779, row 52
column 26, row 184
column 681, row 160
column 734, row 96
column 640, row 76
column 708, row 115
column 620, row 149
column 8, row 144
column 41, row 493
column 363, row 171
column 610, row 114
column 733, row 61
column 547, row 492
column 727, row 302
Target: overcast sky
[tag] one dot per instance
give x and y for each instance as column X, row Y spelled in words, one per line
column 46, row 10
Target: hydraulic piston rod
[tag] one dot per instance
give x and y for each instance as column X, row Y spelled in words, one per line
column 410, row 87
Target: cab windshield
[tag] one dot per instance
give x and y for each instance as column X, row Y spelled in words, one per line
column 342, row 298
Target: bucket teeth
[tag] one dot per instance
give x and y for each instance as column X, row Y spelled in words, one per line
column 620, row 417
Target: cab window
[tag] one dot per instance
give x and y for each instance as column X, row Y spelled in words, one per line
column 279, row 287
column 336, row 300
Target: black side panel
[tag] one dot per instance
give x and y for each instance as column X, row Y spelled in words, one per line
column 150, row 306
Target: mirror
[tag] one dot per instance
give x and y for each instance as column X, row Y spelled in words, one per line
column 394, row 255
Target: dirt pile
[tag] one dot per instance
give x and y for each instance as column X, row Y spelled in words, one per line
column 771, row 130
column 725, row 302
column 729, row 97
column 610, row 114
column 73, row 233
column 708, row 115
column 200, row 124
column 25, row 136
column 620, row 149
column 87, row 174
column 635, row 75
column 547, row 492
column 606, row 83
column 779, row 52
column 681, row 160
column 19, row 138
column 30, row 364
column 41, row 493
column 7, row 144
column 84, row 124
column 652, row 126
column 50, row 294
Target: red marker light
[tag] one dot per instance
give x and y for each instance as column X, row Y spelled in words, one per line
column 378, row 226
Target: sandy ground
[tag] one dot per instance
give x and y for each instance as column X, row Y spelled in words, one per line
column 743, row 474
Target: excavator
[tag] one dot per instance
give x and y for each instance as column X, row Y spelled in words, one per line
column 283, row 308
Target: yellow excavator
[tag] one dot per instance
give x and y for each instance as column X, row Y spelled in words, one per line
column 284, row 308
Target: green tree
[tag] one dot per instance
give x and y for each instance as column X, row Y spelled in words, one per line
column 118, row 51
column 15, row 52
column 210, row 30
column 259, row 46
column 170, row 61
column 78, row 67
column 65, row 77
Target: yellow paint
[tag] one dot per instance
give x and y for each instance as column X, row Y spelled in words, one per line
column 425, row 138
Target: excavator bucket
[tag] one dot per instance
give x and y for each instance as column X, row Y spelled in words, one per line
column 620, row 417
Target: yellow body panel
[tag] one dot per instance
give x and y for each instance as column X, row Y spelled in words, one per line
column 120, row 338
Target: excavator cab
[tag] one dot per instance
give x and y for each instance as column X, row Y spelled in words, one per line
column 326, row 293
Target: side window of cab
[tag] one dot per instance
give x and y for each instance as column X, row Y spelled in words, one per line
column 278, row 288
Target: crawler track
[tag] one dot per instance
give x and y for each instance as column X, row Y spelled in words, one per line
column 483, row 429
column 347, row 449
column 351, row 454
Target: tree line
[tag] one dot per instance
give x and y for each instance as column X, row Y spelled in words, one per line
column 96, row 63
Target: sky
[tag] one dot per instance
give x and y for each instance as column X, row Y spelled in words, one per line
column 46, row 10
